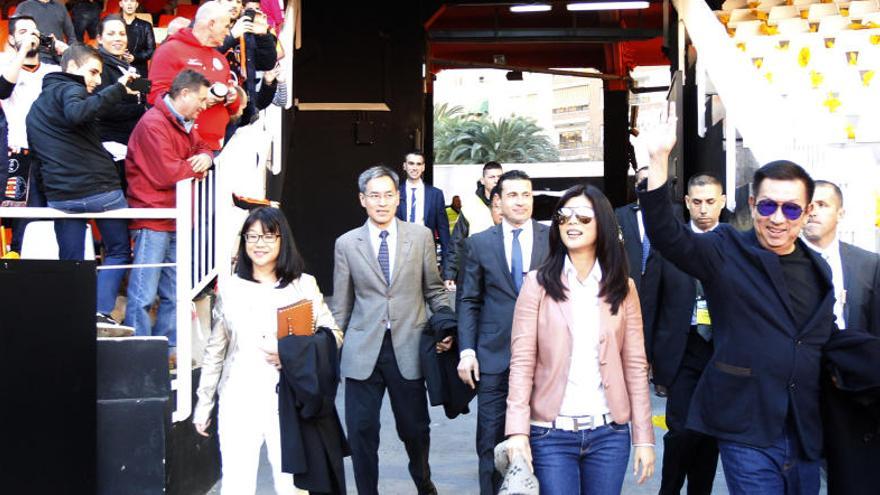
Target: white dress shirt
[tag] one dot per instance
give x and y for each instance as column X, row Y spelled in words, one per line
column 376, row 241
column 420, row 201
column 525, row 243
column 641, row 225
column 831, row 255
column 584, row 394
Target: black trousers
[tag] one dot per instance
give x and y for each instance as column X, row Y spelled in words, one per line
column 491, row 411
column 687, row 453
column 409, row 403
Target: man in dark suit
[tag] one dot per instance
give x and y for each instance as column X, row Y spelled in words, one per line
column 423, row 203
column 852, row 446
column 682, row 346
column 496, row 262
column 645, row 264
column 771, row 302
column 384, row 272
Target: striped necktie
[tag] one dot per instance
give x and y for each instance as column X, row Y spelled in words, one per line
column 412, row 206
column 384, row 263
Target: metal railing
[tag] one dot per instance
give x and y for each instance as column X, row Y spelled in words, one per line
column 196, row 264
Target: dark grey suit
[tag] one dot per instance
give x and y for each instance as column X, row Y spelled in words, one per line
column 487, row 283
column 376, row 357
column 852, row 441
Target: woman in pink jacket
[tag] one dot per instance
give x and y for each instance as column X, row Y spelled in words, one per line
column 578, row 374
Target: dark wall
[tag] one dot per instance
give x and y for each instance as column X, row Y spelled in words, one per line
column 616, row 138
column 365, row 52
column 47, row 364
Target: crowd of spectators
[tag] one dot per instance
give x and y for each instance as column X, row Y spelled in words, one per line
column 117, row 121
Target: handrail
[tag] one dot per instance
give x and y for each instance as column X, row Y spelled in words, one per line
column 195, row 266
column 121, row 213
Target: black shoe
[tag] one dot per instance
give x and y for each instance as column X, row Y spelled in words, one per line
column 108, row 327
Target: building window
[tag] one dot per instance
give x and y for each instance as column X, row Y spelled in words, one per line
column 569, row 140
column 569, row 109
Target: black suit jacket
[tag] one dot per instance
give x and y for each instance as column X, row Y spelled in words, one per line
column 435, row 213
column 672, row 324
column 764, row 365
column 487, row 284
column 312, row 440
column 648, row 283
column 861, row 279
column 852, row 418
column 441, row 370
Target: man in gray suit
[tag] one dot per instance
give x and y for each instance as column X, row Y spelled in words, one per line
column 496, row 261
column 852, row 446
column 384, row 272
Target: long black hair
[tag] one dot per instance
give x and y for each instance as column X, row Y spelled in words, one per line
column 609, row 251
column 289, row 265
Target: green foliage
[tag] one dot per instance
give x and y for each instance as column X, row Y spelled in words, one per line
column 462, row 139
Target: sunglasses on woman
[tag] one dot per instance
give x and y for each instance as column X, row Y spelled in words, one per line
column 767, row 207
column 584, row 214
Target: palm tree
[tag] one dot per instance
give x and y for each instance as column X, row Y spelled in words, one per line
column 446, row 121
column 511, row 140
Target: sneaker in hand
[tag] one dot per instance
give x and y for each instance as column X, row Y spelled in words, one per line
column 108, row 327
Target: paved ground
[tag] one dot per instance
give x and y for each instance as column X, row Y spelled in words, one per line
column 453, row 461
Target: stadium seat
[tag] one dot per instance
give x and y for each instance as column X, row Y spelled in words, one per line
column 833, row 24
column 793, row 26
column 747, row 29
column 730, row 5
column 819, row 10
column 804, row 4
column 740, row 15
column 780, row 12
column 859, row 8
column 188, row 11
column 165, row 20
column 4, row 33
column 39, row 242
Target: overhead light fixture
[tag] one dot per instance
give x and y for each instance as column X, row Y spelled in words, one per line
column 531, row 7
column 581, row 6
column 515, row 75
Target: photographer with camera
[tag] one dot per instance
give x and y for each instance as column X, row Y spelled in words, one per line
column 250, row 48
column 116, row 124
column 53, row 22
column 21, row 81
column 78, row 174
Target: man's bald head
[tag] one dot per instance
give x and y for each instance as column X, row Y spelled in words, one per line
column 212, row 24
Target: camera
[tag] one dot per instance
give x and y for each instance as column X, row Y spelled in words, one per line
column 142, row 85
column 250, row 14
column 219, row 90
column 47, row 43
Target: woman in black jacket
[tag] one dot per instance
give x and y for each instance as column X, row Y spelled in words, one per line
column 116, row 124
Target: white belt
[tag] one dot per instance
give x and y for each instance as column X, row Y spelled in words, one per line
column 576, row 423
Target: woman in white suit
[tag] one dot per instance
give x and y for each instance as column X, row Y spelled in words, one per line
column 241, row 358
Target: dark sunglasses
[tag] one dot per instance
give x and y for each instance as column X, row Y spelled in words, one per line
column 584, row 214
column 767, row 207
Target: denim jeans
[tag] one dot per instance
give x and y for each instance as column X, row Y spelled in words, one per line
column 775, row 470
column 144, row 284
column 586, row 462
column 71, row 236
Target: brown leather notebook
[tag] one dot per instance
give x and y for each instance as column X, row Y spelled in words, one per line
column 296, row 319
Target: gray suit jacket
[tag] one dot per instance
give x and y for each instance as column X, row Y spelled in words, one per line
column 861, row 279
column 362, row 298
column 485, row 316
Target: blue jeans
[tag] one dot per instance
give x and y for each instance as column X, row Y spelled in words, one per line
column 587, row 462
column 144, row 284
column 71, row 235
column 778, row 469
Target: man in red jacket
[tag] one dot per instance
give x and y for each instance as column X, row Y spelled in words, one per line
column 164, row 148
column 195, row 48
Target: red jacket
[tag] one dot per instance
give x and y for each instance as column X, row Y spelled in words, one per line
column 182, row 50
column 156, row 160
